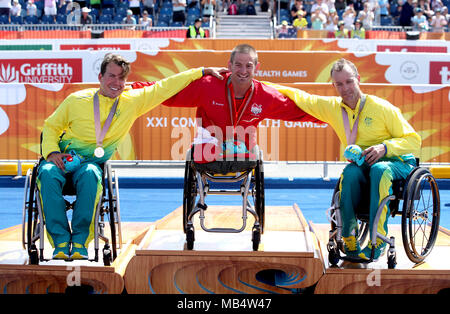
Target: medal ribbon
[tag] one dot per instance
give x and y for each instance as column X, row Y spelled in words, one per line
column 351, row 136
column 232, row 104
column 99, row 131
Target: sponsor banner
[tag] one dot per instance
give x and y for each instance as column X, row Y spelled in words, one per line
column 300, row 44
column 276, row 66
column 166, row 133
column 40, row 70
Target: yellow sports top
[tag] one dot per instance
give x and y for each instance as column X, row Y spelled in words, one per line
column 379, row 123
column 75, row 116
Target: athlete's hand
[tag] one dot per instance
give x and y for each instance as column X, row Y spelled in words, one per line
column 215, row 71
column 57, row 159
column 374, row 153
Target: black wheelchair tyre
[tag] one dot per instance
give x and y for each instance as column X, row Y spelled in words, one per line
column 259, row 195
column 421, row 214
column 189, row 193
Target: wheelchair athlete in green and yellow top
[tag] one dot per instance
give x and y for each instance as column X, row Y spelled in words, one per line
column 93, row 123
column 388, row 142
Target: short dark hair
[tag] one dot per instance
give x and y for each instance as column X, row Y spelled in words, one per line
column 340, row 64
column 117, row 59
column 244, row 48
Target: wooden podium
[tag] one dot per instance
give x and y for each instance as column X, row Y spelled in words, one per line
column 287, row 261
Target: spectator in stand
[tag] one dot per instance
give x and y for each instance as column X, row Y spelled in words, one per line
column 242, row 7
column 50, row 8
column 196, row 30
column 323, row 8
column 436, row 4
column 384, row 7
column 135, row 7
column 148, row 6
column 357, row 5
column 283, row 30
column 349, row 16
column 232, row 8
column 438, row 21
column 16, row 8
column 31, row 8
column 426, row 9
column 5, row 7
column 332, row 21
column 446, row 15
column 179, row 7
column 145, row 21
column 366, row 17
column 129, row 19
column 86, row 18
column 251, row 10
column 341, row 32
column 419, row 21
column 406, row 13
column 66, row 7
column 358, row 32
column 340, row 6
column 208, row 7
column 300, row 22
column 264, row 5
column 318, row 19
column 296, row 7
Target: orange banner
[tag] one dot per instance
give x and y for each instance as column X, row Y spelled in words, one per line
column 166, row 133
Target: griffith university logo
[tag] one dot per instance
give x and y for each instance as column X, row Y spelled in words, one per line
column 41, row 71
column 8, row 74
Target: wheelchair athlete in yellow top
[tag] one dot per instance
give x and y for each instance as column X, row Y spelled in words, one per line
column 388, row 142
column 93, row 121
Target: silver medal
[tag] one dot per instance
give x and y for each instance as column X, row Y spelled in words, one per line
column 99, row 152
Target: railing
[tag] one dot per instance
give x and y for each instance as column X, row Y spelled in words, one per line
column 26, row 31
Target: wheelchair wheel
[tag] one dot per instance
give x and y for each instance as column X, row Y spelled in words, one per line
column 31, row 216
column 421, row 213
column 259, row 195
column 189, row 193
column 114, row 210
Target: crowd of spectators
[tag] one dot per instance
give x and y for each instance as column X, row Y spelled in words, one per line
column 351, row 18
column 136, row 12
column 420, row 15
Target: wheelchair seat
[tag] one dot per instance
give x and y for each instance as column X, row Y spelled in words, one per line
column 199, row 181
column 362, row 210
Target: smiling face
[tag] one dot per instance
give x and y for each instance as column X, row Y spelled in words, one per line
column 112, row 81
column 243, row 67
column 346, row 82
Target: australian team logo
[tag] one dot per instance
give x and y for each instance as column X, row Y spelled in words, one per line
column 256, row 109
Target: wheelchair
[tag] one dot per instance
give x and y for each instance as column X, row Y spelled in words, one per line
column 420, row 213
column 33, row 223
column 198, row 178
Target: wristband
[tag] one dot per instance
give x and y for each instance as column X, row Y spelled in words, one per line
column 203, row 71
column 385, row 149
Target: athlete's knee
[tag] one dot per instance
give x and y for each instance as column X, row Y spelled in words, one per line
column 379, row 170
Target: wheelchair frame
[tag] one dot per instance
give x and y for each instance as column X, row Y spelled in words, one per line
column 410, row 191
column 33, row 223
column 196, row 188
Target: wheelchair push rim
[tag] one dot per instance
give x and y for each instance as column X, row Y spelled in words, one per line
column 421, row 214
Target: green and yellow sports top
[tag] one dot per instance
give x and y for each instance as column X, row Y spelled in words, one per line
column 380, row 122
column 75, row 116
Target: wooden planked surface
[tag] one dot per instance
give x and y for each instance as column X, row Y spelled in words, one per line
column 55, row 276
column 288, row 258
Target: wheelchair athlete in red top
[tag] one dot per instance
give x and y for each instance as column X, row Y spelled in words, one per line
column 229, row 110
